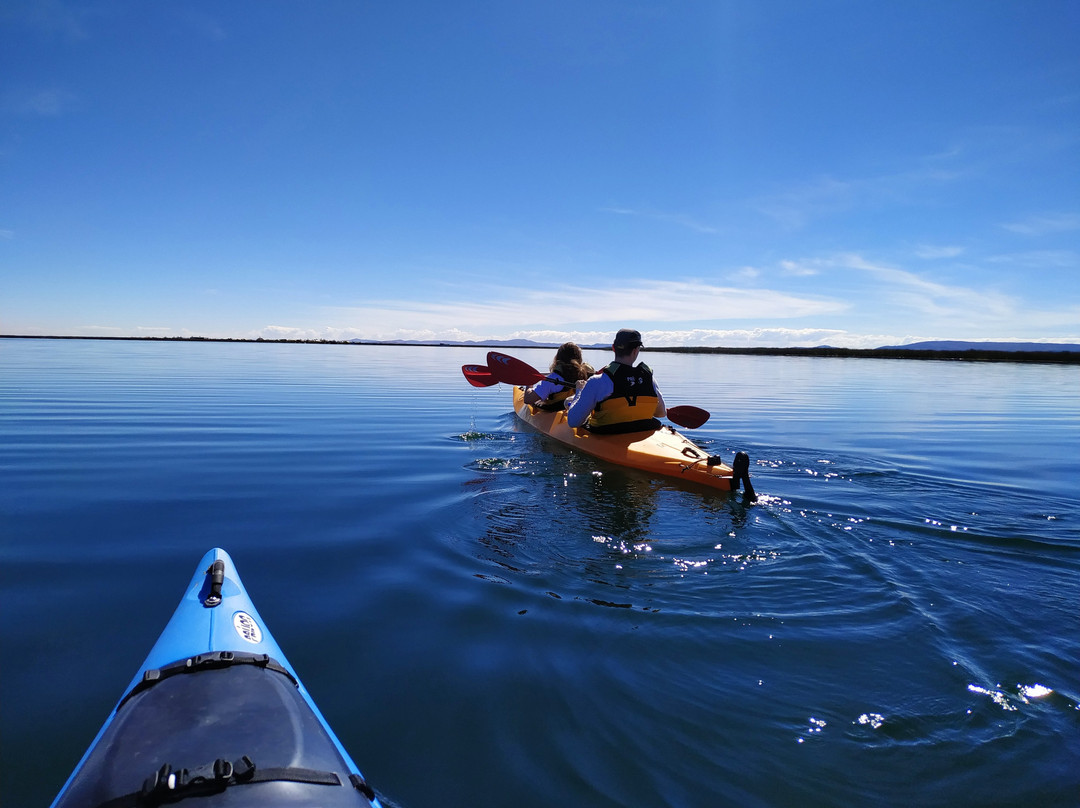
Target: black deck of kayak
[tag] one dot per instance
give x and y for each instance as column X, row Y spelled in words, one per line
column 236, row 735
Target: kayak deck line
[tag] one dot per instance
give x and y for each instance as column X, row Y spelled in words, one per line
column 168, row 785
column 216, row 705
column 203, row 662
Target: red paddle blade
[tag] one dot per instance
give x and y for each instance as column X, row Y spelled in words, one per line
column 478, row 376
column 509, row 370
column 688, row 416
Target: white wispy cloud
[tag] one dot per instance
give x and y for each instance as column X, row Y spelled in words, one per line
column 802, row 202
column 1045, row 224
column 1039, row 259
column 894, row 304
column 36, row 102
column 496, row 309
column 680, row 219
column 956, row 311
column 918, row 294
column 656, row 338
column 795, row 206
column 798, row 269
column 931, row 252
column 293, row 332
column 100, row 330
column 743, row 274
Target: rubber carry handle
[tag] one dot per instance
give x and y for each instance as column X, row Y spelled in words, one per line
column 216, row 572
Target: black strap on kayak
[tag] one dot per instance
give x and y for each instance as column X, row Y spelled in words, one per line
column 203, row 662
column 168, row 785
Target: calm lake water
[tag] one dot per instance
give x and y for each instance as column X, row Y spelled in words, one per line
column 487, row 619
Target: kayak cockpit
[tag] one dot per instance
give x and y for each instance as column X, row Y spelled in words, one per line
column 229, row 729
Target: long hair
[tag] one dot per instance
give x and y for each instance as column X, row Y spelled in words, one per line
column 568, row 363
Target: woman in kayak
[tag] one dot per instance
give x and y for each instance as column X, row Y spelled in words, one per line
column 620, row 398
column 567, row 366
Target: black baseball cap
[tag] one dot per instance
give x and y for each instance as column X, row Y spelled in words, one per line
column 627, row 338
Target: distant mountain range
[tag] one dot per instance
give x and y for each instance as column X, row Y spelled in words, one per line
column 934, row 345
column 959, row 345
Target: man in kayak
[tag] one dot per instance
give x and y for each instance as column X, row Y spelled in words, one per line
column 567, row 366
column 620, row 398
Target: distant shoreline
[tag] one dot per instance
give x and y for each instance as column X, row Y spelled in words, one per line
column 1059, row 357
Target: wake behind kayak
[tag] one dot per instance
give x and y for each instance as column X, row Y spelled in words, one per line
column 216, row 716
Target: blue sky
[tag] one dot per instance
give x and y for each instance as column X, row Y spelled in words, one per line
column 752, row 172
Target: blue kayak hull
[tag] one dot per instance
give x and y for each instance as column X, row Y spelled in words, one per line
column 216, row 716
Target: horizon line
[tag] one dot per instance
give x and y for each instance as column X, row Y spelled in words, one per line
column 1064, row 353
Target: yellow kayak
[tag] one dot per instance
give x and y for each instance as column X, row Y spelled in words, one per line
column 664, row 451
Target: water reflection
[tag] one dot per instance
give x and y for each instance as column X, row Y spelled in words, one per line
column 583, row 530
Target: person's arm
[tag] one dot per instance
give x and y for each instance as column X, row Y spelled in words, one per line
column 661, row 407
column 594, row 390
column 542, row 390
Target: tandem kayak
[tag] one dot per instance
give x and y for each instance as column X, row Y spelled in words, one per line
column 663, row 451
column 216, row 716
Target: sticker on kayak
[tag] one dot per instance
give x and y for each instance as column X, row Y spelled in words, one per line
column 246, row 627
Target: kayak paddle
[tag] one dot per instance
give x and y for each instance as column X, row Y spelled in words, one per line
column 509, row 370
column 478, row 375
column 688, row 416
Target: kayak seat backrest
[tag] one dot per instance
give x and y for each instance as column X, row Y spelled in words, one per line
column 186, row 721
